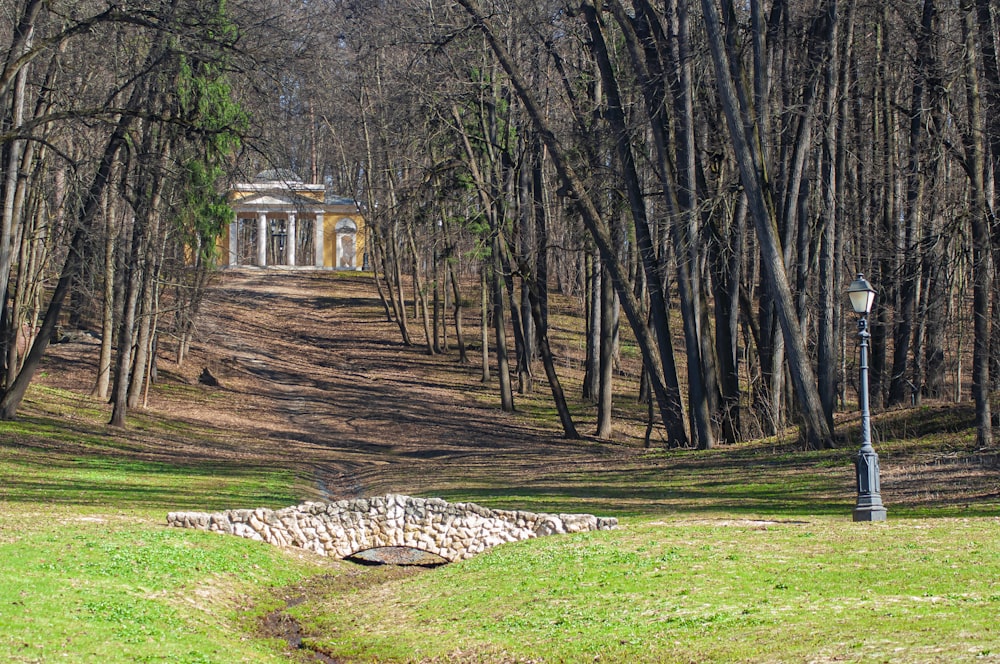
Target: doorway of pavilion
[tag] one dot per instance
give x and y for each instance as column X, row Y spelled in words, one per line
column 305, row 242
column 246, row 242
column 277, row 241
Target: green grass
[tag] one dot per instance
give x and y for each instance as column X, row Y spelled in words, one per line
column 684, row 590
column 88, row 478
column 741, row 554
column 101, row 482
column 63, row 452
column 119, row 588
column 89, row 572
column 756, row 480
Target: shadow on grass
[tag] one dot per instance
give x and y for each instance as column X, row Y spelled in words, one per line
column 749, row 482
column 756, row 502
column 128, row 484
column 62, row 460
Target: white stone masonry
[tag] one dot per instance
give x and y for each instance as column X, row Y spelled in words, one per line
column 453, row 531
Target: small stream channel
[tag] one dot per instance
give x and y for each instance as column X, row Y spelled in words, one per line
column 279, row 624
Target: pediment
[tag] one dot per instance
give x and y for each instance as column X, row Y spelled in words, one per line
column 271, row 200
column 268, row 200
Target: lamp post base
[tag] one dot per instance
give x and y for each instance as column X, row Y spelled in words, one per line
column 870, row 513
column 869, row 506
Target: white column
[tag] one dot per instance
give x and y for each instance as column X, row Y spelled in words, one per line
column 234, row 234
column 290, row 239
column 319, row 239
column 262, row 238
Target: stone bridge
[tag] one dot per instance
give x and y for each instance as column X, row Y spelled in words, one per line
column 342, row 529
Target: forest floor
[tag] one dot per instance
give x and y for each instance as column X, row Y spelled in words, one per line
column 313, row 378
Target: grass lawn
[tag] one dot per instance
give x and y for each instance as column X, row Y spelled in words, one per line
column 90, row 573
column 77, row 587
column 695, row 590
column 744, row 554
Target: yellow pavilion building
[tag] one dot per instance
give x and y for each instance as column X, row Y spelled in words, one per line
column 280, row 221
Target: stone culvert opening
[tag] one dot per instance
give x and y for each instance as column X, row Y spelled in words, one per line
column 396, row 555
column 349, row 528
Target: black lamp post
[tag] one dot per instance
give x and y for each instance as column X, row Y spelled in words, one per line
column 869, row 507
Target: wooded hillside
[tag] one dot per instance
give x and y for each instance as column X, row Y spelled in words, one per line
column 710, row 174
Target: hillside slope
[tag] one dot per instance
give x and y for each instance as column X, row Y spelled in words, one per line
column 312, row 376
column 314, row 379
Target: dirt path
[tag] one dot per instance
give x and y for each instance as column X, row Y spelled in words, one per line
column 310, row 369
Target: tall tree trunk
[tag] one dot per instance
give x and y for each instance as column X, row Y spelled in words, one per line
column 981, row 219
column 457, row 301
column 484, row 320
column 397, row 276
column 726, row 250
column 126, row 327
column 420, row 291
column 526, row 234
column 147, row 328
column 12, row 150
column 607, row 347
column 650, row 261
column 680, row 198
column 380, row 270
column 541, row 218
column 437, row 322
column 886, row 133
column 103, row 381
column 987, row 19
column 704, row 387
column 138, row 275
column 548, row 361
column 900, row 383
column 517, row 323
column 500, row 331
column 382, row 254
column 592, row 300
column 29, row 223
column 829, row 272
